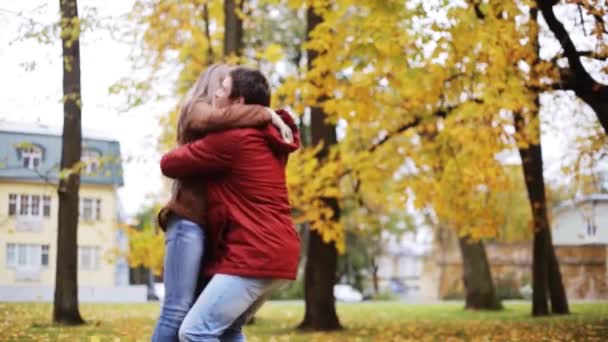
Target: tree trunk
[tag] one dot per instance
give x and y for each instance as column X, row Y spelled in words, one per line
column 322, row 260
column 557, row 292
column 546, row 275
column 65, row 308
column 477, row 277
column 540, row 273
column 233, row 28
column 320, row 309
column 375, row 279
column 207, row 32
column 545, row 268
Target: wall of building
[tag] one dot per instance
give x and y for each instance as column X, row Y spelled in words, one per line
column 572, row 224
column 583, row 270
column 43, row 231
column 86, row 294
column 400, row 274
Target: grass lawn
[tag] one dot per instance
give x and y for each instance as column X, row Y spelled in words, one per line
column 370, row 321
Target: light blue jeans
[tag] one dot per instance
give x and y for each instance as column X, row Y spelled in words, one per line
column 224, row 307
column 184, row 241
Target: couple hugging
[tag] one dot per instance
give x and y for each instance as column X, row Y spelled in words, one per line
column 228, row 227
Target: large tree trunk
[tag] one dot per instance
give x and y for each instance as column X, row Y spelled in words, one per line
column 545, row 268
column 320, row 277
column 477, row 277
column 540, row 273
column 557, row 291
column 233, row 28
column 546, row 275
column 65, row 308
column 322, row 259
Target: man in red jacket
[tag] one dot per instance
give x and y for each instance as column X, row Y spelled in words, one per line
column 254, row 246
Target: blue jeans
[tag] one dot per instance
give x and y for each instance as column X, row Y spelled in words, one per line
column 224, row 307
column 184, row 241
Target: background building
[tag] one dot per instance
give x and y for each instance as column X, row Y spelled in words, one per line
column 580, row 236
column 30, row 157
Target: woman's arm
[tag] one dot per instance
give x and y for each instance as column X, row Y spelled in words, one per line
column 204, row 118
column 276, row 120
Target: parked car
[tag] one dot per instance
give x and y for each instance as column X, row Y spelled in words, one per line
column 526, row 291
column 159, row 290
column 347, row 293
column 397, row 286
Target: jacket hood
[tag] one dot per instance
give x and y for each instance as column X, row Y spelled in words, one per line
column 274, row 138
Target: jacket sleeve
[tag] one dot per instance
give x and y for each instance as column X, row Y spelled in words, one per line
column 203, row 118
column 209, row 155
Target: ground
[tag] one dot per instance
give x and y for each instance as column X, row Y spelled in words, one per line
column 370, row 321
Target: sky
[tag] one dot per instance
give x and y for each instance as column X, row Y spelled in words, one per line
column 34, row 95
column 31, row 76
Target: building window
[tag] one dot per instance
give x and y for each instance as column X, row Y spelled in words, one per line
column 44, row 256
column 591, row 229
column 87, row 209
column 24, row 206
column 98, row 209
column 11, row 255
column 29, row 205
column 46, row 206
column 12, row 204
column 27, row 255
column 35, row 209
column 31, row 157
column 90, row 209
column 92, row 160
column 88, row 257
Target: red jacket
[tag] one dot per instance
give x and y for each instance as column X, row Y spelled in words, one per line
column 249, row 225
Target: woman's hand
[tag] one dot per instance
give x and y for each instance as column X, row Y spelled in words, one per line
column 276, row 120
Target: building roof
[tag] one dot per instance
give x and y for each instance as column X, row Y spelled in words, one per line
column 578, row 201
column 44, row 129
column 48, row 140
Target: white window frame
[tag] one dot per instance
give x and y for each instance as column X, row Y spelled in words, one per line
column 89, row 209
column 28, row 205
column 97, row 209
column 26, row 256
column 12, row 204
column 45, row 250
column 31, row 157
column 11, row 255
column 91, row 159
column 46, row 206
column 93, row 255
column 35, row 205
column 24, row 205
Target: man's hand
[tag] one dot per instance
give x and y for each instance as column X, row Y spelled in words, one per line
column 276, row 120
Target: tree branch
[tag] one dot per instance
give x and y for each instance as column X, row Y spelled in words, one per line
column 584, row 84
column 399, row 130
column 440, row 113
column 577, row 78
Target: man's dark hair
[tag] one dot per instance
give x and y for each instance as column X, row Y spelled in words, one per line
column 250, row 84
